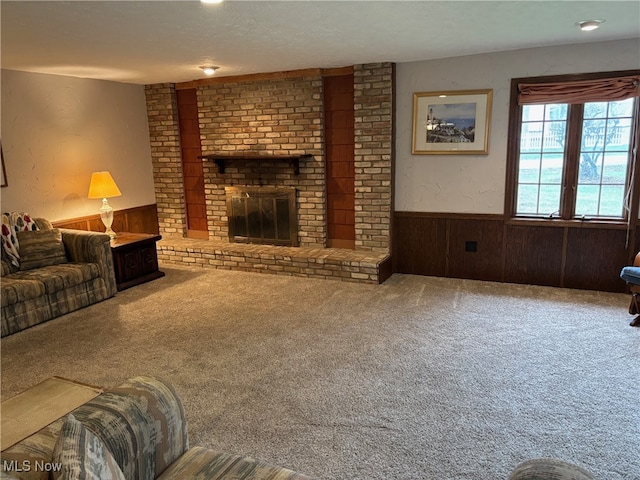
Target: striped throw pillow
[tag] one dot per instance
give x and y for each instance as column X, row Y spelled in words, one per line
column 41, row 248
column 82, row 455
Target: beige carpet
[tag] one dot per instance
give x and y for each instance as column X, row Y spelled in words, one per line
column 419, row 378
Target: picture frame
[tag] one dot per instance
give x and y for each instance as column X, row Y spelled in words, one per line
column 451, row 122
column 3, row 172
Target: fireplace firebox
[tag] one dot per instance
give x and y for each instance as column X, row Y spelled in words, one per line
column 263, row 215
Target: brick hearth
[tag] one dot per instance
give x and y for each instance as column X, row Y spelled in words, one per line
column 315, row 262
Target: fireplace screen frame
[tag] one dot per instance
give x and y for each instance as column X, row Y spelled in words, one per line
column 239, row 198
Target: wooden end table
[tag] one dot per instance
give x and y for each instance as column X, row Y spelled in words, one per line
column 135, row 259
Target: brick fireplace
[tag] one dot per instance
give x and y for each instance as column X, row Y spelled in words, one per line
column 268, row 119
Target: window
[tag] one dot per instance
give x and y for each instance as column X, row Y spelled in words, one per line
column 572, row 154
column 541, row 159
column 604, row 162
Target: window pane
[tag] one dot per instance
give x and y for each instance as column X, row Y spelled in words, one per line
column 595, row 110
column 611, row 201
column 619, row 135
column 554, row 136
column 593, row 135
column 531, row 137
column 531, row 113
column 549, row 199
column 587, row 200
column 623, row 108
column 527, row 199
column 529, row 168
column 556, row 111
column 590, row 168
column 551, row 168
column 614, row 170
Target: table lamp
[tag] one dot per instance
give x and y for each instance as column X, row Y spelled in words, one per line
column 102, row 186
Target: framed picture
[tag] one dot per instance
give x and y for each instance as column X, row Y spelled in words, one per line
column 451, row 123
column 3, row 172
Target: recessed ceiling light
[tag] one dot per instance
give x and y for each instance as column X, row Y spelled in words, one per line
column 209, row 70
column 589, row 25
column 211, row 1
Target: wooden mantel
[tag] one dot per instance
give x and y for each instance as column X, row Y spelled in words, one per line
column 222, row 160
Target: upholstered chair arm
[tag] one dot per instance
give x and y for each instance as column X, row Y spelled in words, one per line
column 549, row 469
column 142, row 423
column 93, row 247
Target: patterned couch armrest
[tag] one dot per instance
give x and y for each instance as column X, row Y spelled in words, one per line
column 93, row 247
column 34, row 449
column 549, row 469
column 142, row 423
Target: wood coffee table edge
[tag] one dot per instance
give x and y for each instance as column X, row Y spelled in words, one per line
column 40, row 405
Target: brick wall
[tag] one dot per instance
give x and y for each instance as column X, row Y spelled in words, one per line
column 166, row 159
column 266, row 117
column 373, row 105
column 281, row 117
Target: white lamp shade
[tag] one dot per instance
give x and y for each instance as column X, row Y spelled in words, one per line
column 103, row 186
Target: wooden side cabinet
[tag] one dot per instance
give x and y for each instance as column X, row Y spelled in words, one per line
column 135, row 259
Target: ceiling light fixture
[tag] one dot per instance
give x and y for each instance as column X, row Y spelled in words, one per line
column 209, row 70
column 589, row 25
column 211, row 1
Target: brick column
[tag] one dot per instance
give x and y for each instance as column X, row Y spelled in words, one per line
column 373, row 98
column 166, row 158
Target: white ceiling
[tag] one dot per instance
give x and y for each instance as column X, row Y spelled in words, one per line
column 166, row 41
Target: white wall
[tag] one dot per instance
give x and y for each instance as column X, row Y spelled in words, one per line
column 56, row 130
column 470, row 183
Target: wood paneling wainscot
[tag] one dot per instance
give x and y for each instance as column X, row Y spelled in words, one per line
column 594, row 258
column 475, row 248
column 420, row 244
column 142, row 219
column 533, row 255
column 487, row 247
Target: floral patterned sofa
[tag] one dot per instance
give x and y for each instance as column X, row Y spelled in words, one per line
column 47, row 272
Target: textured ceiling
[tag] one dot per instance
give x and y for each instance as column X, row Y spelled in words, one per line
column 152, row 42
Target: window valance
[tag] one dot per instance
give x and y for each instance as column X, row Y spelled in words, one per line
column 598, row 90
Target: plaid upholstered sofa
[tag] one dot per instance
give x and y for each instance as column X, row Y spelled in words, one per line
column 135, row 431
column 59, row 271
